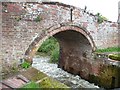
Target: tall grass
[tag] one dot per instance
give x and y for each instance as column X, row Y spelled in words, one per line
column 50, row 47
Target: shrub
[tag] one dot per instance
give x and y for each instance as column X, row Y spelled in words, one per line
column 100, row 18
column 50, row 47
column 25, row 65
column 54, row 56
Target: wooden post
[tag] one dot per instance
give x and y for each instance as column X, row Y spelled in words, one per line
column 71, row 9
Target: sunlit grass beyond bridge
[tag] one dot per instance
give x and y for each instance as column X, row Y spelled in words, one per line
column 110, row 49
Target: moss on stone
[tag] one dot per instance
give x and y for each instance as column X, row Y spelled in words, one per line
column 51, row 83
column 108, row 78
column 17, row 18
column 38, row 19
column 33, row 74
column 93, row 79
column 115, row 57
column 38, row 76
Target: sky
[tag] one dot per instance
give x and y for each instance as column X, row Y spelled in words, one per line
column 107, row 8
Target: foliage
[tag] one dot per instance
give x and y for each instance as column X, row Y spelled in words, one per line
column 54, row 56
column 110, row 49
column 50, row 47
column 30, row 85
column 100, row 18
column 114, row 56
column 25, row 65
column 38, row 19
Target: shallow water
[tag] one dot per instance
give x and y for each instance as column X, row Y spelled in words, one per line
column 52, row 70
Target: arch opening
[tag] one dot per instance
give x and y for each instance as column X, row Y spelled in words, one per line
column 50, row 47
column 74, row 47
column 72, row 39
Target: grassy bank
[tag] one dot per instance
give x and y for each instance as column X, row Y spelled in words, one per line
column 51, row 48
column 110, row 49
column 30, row 85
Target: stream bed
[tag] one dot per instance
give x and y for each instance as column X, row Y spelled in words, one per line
column 52, row 70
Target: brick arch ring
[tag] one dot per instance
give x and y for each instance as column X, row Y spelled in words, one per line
column 33, row 47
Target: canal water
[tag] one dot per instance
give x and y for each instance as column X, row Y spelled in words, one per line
column 52, row 70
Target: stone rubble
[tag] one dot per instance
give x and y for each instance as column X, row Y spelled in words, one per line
column 52, row 70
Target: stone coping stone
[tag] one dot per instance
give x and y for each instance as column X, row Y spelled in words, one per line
column 12, row 82
column 33, row 74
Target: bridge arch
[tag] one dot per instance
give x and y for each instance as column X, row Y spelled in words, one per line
column 22, row 35
column 33, row 47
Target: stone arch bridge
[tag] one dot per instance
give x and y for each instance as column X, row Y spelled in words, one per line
column 25, row 25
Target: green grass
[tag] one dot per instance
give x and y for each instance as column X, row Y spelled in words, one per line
column 110, row 49
column 32, row 85
column 51, row 48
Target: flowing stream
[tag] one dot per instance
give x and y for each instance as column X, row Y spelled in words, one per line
column 52, row 70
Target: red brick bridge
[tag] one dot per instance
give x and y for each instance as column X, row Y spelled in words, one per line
column 25, row 25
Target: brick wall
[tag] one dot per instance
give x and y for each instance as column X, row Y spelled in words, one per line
column 21, row 26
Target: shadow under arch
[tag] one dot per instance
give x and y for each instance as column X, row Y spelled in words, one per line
column 33, row 47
